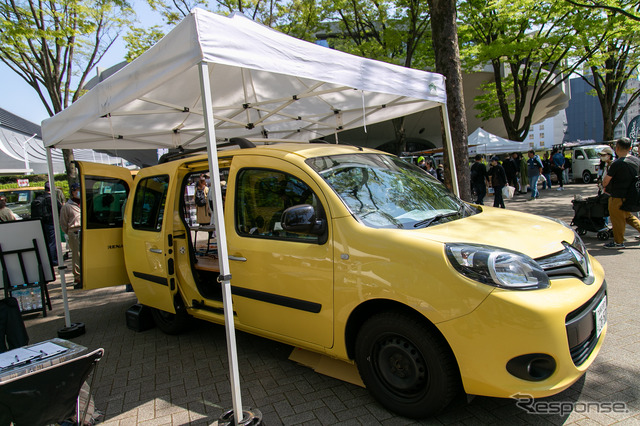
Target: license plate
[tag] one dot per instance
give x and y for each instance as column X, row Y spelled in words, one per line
column 600, row 314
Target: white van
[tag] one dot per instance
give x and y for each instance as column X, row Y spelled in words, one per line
column 585, row 163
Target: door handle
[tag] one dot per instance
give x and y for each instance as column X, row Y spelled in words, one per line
column 238, row 258
column 155, row 250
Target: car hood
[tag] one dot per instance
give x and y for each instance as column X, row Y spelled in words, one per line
column 530, row 234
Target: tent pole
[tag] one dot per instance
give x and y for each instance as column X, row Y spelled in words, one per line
column 223, row 259
column 449, row 142
column 56, row 225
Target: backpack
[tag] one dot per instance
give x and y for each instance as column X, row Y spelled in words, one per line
column 41, row 208
column 201, row 198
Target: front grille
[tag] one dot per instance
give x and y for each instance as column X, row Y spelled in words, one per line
column 561, row 264
column 581, row 328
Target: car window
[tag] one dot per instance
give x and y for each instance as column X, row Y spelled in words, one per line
column 383, row 191
column 149, row 202
column 105, row 200
column 261, row 198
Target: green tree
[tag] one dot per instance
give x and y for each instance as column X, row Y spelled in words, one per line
column 55, row 45
column 630, row 10
column 530, row 48
column 612, row 65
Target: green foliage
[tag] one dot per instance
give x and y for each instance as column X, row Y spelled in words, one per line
column 531, row 47
column 54, row 45
column 139, row 40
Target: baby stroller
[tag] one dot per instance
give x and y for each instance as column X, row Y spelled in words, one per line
column 590, row 214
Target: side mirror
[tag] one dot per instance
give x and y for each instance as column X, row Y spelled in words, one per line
column 580, row 157
column 302, row 219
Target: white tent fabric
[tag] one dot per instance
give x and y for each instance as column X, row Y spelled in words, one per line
column 483, row 142
column 264, row 84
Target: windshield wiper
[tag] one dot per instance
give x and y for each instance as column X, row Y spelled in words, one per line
column 426, row 222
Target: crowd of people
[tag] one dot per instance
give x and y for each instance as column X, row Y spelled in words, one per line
column 616, row 181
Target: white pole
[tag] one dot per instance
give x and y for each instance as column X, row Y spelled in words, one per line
column 449, row 142
column 56, row 225
column 223, row 258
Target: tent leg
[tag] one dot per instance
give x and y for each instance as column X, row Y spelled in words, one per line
column 238, row 415
column 449, row 142
column 56, row 224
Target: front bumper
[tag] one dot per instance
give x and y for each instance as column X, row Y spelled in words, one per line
column 558, row 322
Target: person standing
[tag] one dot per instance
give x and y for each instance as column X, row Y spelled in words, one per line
column 479, row 179
column 557, row 166
column 440, row 172
column 534, row 170
column 619, row 180
column 546, row 171
column 498, row 179
column 71, row 223
column 606, row 159
column 6, row 214
column 203, row 211
column 429, row 168
column 511, row 166
column 42, row 208
column 524, row 180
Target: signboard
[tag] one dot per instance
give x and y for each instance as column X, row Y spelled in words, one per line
column 23, row 183
column 633, row 129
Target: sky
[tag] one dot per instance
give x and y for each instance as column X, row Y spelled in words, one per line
column 17, row 97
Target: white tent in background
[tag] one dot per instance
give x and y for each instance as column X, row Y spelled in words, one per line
column 213, row 78
column 483, row 142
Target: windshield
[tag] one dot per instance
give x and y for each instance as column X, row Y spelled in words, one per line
column 384, row 191
column 592, row 153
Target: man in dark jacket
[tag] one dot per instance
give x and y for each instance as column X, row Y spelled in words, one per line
column 511, row 166
column 498, row 180
column 479, row 179
column 620, row 177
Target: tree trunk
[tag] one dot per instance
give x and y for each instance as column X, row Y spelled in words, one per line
column 445, row 44
column 69, row 166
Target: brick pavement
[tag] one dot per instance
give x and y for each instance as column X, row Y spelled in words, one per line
column 149, row 378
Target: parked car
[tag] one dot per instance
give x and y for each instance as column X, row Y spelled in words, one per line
column 361, row 256
column 19, row 199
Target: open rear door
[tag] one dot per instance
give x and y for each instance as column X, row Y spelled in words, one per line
column 105, row 190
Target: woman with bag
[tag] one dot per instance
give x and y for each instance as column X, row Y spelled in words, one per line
column 498, row 179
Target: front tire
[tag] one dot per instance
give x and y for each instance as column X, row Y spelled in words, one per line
column 586, row 177
column 405, row 365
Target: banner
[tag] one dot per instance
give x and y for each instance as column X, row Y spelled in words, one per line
column 633, row 129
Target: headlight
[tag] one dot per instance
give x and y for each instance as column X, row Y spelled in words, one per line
column 497, row 267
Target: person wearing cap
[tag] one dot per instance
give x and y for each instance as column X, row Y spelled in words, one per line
column 70, row 222
column 6, row 215
column 422, row 163
column 498, row 179
column 606, row 158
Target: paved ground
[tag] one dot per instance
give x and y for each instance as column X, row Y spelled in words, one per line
column 153, row 379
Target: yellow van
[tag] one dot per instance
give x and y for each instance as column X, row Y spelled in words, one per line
column 358, row 255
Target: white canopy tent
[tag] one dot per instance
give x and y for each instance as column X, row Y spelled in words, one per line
column 483, row 142
column 213, row 78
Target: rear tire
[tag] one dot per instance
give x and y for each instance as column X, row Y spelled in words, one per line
column 172, row 323
column 405, row 365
